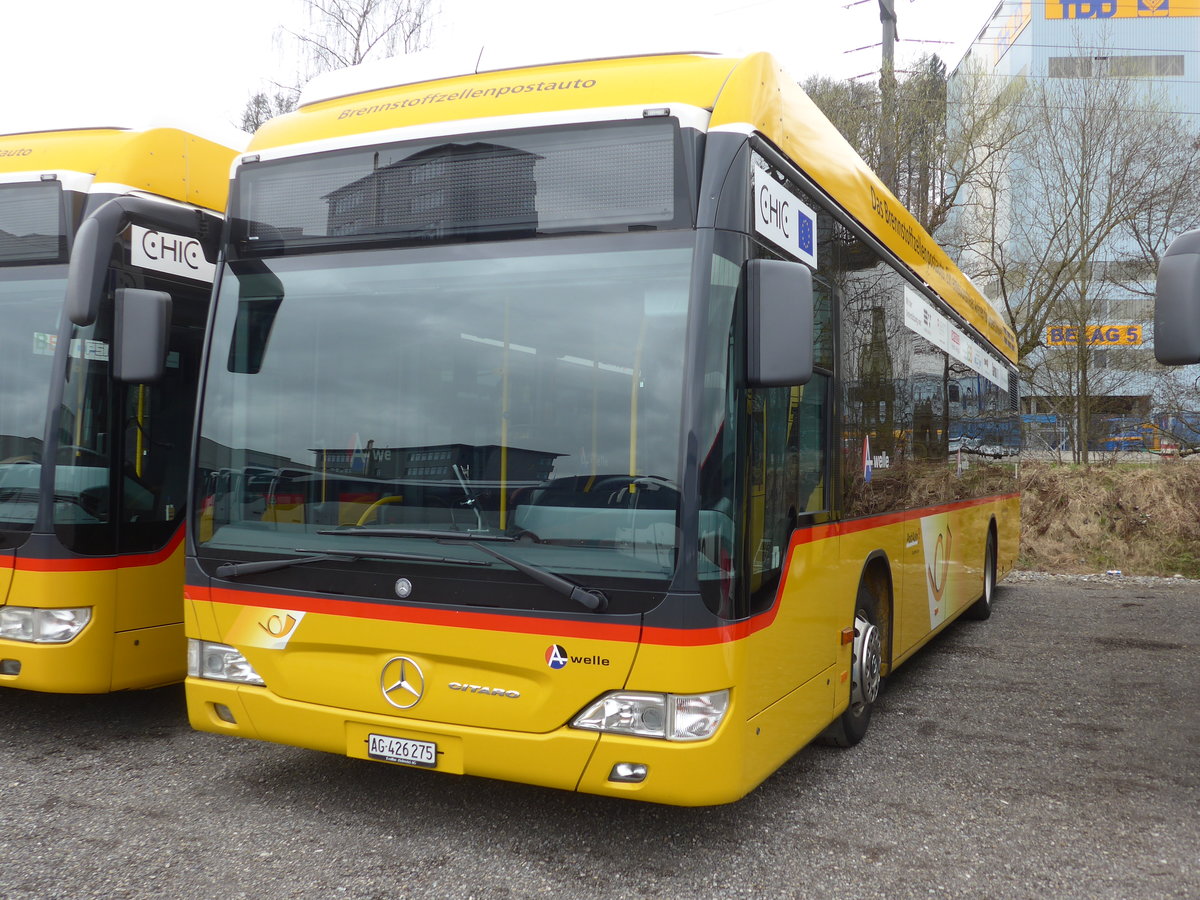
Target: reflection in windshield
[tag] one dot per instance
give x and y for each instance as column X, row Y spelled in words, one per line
column 460, row 389
column 30, row 300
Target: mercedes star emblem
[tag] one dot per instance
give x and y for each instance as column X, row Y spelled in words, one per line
column 402, row 682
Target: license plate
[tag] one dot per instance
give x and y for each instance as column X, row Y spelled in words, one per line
column 402, row 750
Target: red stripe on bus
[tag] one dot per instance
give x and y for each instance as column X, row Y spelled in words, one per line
column 99, row 563
column 853, row 526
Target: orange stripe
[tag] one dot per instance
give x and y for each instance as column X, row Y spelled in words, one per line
column 360, row 609
column 100, row 563
column 596, row 630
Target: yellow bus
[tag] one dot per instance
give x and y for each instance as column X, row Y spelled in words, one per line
column 94, row 445
column 604, row 425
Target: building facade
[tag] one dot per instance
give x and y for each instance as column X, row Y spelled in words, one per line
column 1099, row 343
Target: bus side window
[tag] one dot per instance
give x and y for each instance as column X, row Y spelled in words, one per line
column 810, row 412
column 807, row 443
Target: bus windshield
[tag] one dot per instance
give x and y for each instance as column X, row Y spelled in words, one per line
column 30, row 300
column 528, row 391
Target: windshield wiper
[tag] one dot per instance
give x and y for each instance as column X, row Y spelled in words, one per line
column 432, row 534
column 232, row 570
column 588, row 599
column 585, row 597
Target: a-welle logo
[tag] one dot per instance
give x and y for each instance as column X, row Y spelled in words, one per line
column 557, row 657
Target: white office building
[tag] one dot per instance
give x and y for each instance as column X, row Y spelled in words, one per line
column 1147, row 46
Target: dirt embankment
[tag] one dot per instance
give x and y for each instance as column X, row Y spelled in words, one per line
column 1140, row 519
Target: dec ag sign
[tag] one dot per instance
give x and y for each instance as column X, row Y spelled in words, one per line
column 1094, row 335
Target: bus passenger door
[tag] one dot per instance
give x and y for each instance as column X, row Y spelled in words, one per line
column 788, row 561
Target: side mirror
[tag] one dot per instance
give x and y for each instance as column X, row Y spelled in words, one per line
column 1177, row 303
column 85, row 272
column 141, row 328
column 97, row 235
column 779, row 323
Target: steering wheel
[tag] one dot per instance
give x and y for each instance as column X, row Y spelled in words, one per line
column 82, row 451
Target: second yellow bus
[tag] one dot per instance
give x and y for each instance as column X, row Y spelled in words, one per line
column 94, row 452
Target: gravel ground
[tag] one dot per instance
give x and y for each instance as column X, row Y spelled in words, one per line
column 1113, row 578
column 1051, row 751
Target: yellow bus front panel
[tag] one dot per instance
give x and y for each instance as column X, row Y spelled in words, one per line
column 494, row 708
column 84, row 664
column 553, row 759
column 495, row 672
column 505, row 738
column 133, row 639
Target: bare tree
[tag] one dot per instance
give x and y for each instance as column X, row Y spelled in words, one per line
column 1172, row 205
column 345, row 33
column 262, row 106
column 342, row 33
column 915, row 123
column 921, row 147
column 934, row 162
column 1071, row 219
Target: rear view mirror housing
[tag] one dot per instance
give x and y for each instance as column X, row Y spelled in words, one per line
column 779, row 323
column 1177, row 303
column 87, row 272
column 141, row 330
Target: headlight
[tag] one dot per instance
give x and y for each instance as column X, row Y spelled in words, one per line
column 676, row 717
column 43, row 626
column 219, row 662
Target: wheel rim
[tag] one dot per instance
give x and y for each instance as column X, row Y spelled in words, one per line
column 989, row 572
column 868, row 659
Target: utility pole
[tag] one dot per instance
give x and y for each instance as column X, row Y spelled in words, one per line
column 887, row 95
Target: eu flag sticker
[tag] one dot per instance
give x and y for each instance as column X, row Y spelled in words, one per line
column 804, row 233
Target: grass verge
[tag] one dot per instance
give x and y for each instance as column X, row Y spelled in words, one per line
column 1141, row 519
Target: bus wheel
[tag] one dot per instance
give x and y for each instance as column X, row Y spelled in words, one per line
column 851, row 726
column 982, row 608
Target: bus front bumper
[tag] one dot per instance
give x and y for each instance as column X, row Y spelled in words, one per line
column 687, row 774
column 97, row 661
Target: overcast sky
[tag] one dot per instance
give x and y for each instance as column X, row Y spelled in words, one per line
column 72, row 62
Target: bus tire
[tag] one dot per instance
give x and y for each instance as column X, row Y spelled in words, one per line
column 982, row 608
column 866, row 661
